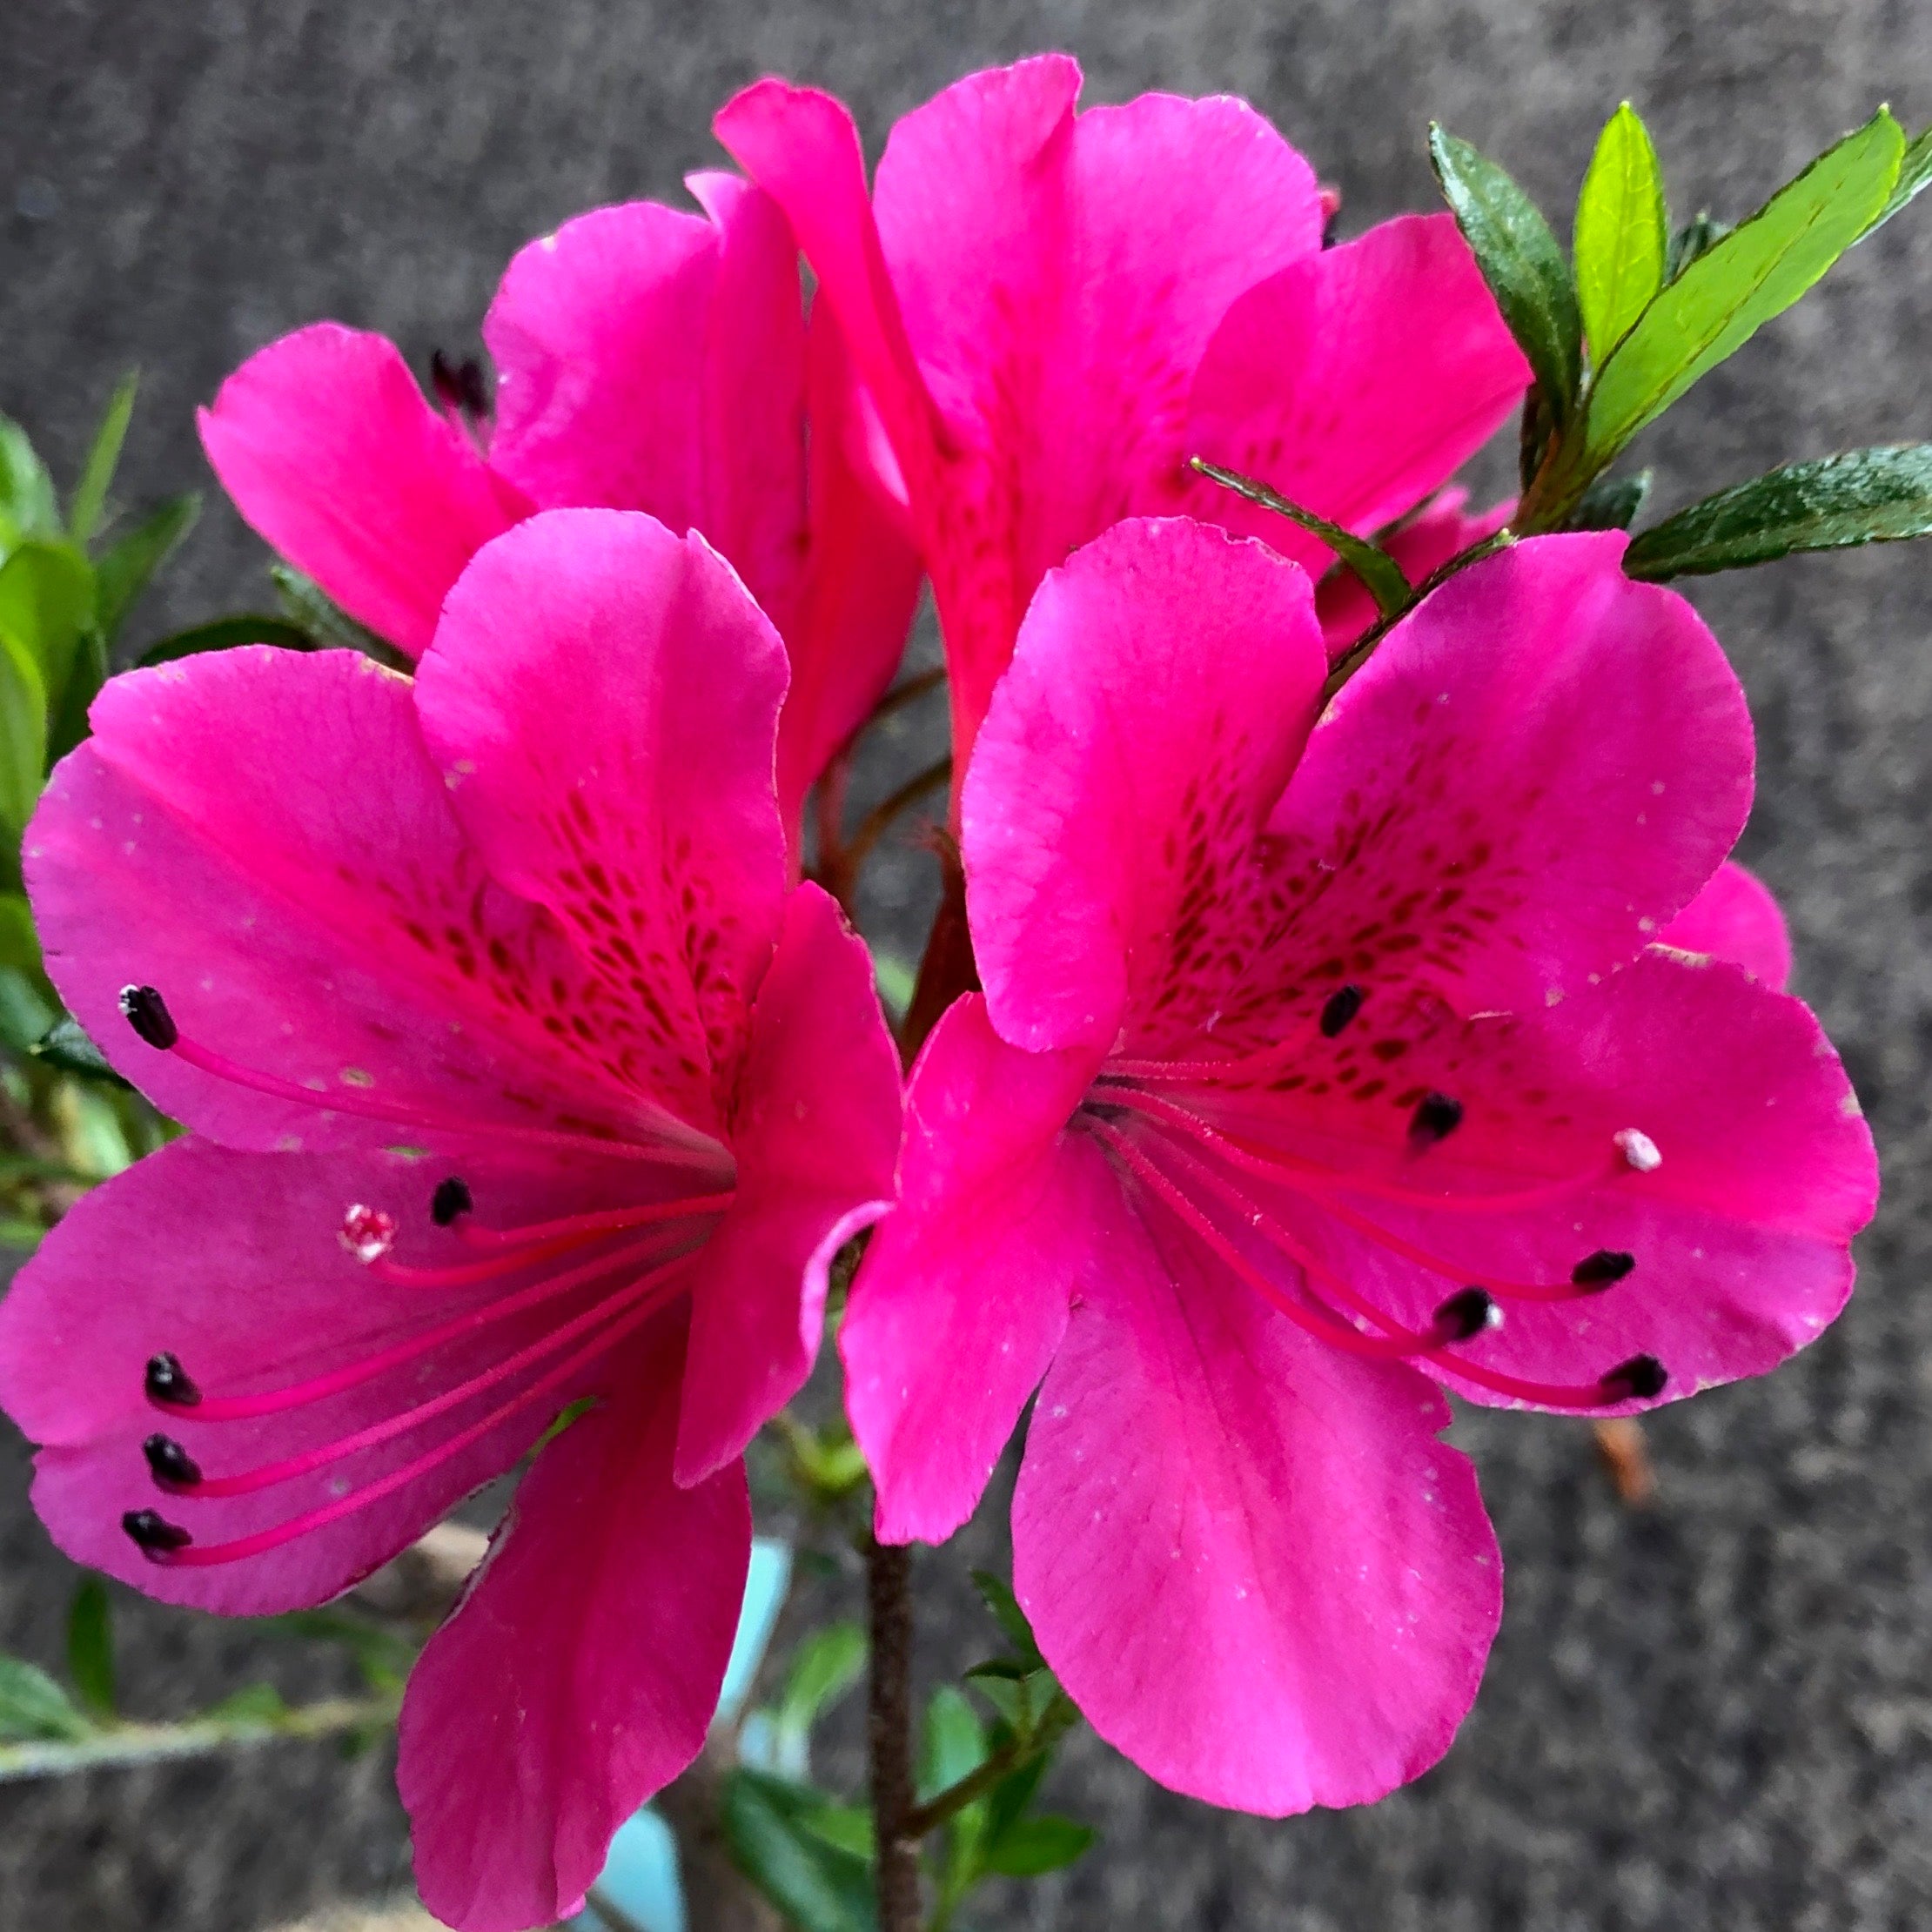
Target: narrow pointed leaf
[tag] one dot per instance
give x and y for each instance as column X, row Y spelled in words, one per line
column 84, row 514
column 1865, row 496
column 1915, row 173
column 26, row 490
column 227, row 633
column 33, row 1705
column 91, row 1646
column 818, row 1886
column 1380, row 573
column 66, row 1046
column 997, row 1593
column 46, row 603
column 1622, row 232
column 1521, row 262
column 124, row 571
column 1756, row 272
column 22, row 734
column 829, row 1662
column 1611, row 503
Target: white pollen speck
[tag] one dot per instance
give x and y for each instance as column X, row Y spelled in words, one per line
column 1554, row 997
column 355, row 1076
column 1596, row 979
column 1638, row 1149
column 1059, row 1414
column 1647, row 924
column 1657, row 787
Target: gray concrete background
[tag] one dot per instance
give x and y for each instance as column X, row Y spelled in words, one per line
column 1717, row 1714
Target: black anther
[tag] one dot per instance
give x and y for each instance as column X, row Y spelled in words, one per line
column 156, row 1537
column 451, row 1198
column 1597, row 1271
column 1636, row 1380
column 147, row 1013
column 1436, row 1116
column 1339, row 1008
column 171, row 1465
column 1466, row 1315
column 459, row 385
column 169, row 1383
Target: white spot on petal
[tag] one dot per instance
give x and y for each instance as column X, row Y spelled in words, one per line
column 1638, row 1149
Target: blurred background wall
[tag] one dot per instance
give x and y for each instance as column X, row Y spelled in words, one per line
column 1715, row 1714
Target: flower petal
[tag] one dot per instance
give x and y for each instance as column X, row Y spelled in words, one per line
column 1249, row 1560
column 1734, row 917
column 580, row 1671
column 1355, row 382
column 816, row 1134
column 332, row 453
column 234, row 1263
column 653, row 360
column 1164, row 682
column 962, row 1296
column 262, row 836
column 603, row 698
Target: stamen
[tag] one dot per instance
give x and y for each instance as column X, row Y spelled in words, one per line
column 1340, row 1007
column 159, row 1540
column 179, row 1549
column 1463, row 1317
column 1597, row 1271
column 367, row 1233
column 235, row 1408
column 171, row 1465
column 1637, row 1380
column 451, row 1198
column 1640, row 1379
column 1435, row 1118
column 605, row 1221
column 169, row 1384
column 648, row 1287
column 1638, row 1149
column 147, row 1013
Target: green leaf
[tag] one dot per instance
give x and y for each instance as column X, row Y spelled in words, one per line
column 25, row 1011
column 952, row 1743
column 1012, row 1794
column 383, row 1655
column 1756, row 272
column 226, row 634
column 817, row 1886
column 828, row 1663
column 253, row 1704
column 47, row 604
column 19, row 943
column 845, row 1827
column 1611, row 503
column 1622, row 232
column 1519, row 259
column 91, row 1646
column 1029, row 1846
column 1019, row 1691
column 1865, row 496
column 65, row 1045
column 1915, row 172
column 999, row 1599
column 22, row 734
column 124, row 571
column 310, row 607
column 84, row 514
column 1380, row 573
column 33, row 1705
column 1697, row 236
column 67, row 723
column 26, row 490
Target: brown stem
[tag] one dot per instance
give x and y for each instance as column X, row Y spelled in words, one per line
column 947, row 970
column 888, row 1593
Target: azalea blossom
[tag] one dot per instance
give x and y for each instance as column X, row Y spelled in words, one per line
column 646, row 359
column 1051, row 311
column 1327, row 1059
column 527, row 1106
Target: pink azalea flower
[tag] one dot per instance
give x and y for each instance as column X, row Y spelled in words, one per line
column 517, row 1079
column 647, row 359
column 1053, row 310
column 1324, row 1063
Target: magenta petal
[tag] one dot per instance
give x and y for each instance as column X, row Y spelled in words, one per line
column 207, row 1254
column 1250, row 1558
column 1734, row 917
column 603, row 697
column 1532, row 774
column 330, row 450
column 962, row 1296
column 816, row 1134
column 580, row 1671
column 1163, row 683
column 1355, row 382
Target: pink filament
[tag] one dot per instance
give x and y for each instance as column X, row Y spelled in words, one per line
column 607, row 1221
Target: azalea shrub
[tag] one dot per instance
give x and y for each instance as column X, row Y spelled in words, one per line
column 1341, row 998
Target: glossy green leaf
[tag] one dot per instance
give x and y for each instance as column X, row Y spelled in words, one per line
column 47, row 603
column 91, row 1646
column 1622, row 232
column 124, row 571
column 227, row 633
column 819, row 1886
column 65, row 1045
column 67, row 723
column 84, row 514
column 33, row 1705
column 1029, row 1846
column 997, row 1593
column 1756, row 272
column 1611, row 503
column 1521, row 262
column 828, row 1664
column 1865, row 496
column 26, row 490
column 22, row 734
column 1915, row 175
column 312, row 607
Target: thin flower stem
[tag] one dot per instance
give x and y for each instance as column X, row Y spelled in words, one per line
column 1059, row 1717
column 888, row 1592
column 948, row 969
column 876, row 822
column 130, row 1744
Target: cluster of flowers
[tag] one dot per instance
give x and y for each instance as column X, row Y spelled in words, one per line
column 1334, row 1042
